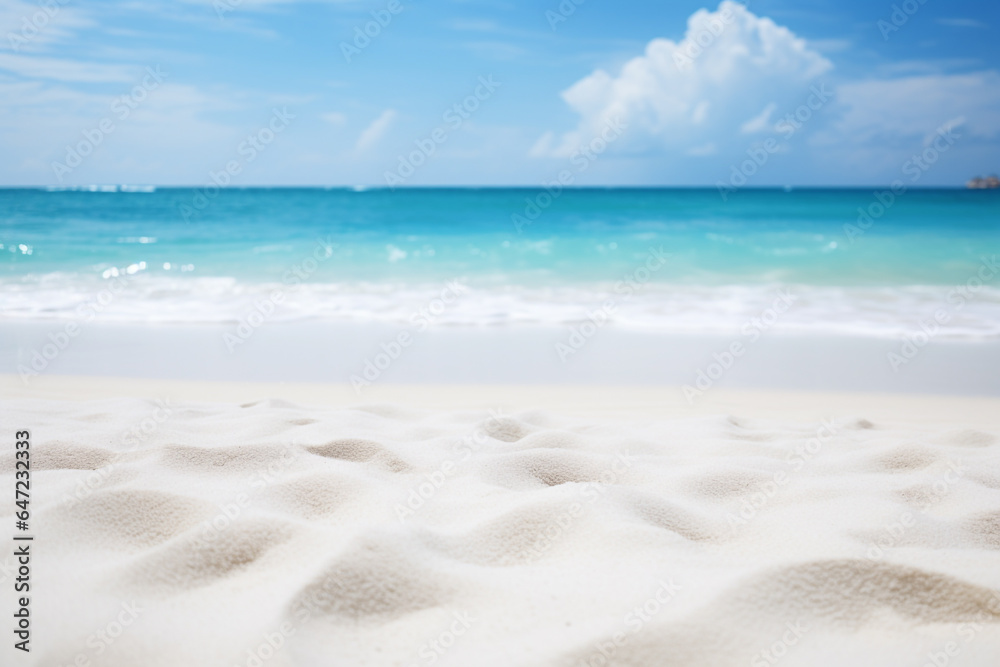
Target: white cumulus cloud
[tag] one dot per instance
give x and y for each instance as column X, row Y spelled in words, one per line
column 729, row 73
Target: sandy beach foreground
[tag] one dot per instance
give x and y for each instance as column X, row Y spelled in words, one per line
column 214, row 524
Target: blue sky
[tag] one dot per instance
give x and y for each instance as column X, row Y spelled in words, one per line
column 683, row 93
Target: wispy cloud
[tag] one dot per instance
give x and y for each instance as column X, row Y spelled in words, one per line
column 939, row 66
column 374, row 132
column 239, row 20
column 27, row 26
column 703, row 151
column 913, row 106
column 761, row 121
column 58, row 69
column 495, row 50
column 962, row 23
column 474, row 25
column 334, row 118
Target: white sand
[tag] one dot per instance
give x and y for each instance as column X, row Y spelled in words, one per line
column 756, row 529
column 330, row 352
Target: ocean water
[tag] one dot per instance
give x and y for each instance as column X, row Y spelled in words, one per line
column 669, row 260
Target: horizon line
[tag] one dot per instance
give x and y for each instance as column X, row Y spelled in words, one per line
column 140, row 188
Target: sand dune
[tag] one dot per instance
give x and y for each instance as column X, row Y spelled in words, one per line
column 271, row 533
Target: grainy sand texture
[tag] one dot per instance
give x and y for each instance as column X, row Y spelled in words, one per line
column 186, row 532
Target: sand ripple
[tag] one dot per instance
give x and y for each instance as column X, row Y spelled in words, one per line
column 384, row 536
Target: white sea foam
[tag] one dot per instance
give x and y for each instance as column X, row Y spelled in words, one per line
column 148, row 189
column 880, row 312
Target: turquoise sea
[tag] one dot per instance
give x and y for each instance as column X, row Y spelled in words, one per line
column 522, row 256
